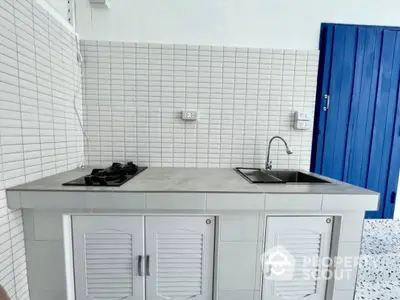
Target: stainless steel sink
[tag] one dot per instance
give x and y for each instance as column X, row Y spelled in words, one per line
column 256, row 175
column 294, row 176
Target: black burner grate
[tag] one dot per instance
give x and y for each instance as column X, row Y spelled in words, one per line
column 115, row 175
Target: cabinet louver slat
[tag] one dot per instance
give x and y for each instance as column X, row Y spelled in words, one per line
column 105, row 257
column 179, row 256
column 180, row 250
column 306, row 240
column 113, row 243
column 304, row 246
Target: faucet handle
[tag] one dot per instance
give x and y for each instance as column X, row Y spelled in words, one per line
column 268, row 165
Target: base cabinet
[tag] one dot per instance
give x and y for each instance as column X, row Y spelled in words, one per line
column 295, row 247
column 172, row 257
column 154, row 257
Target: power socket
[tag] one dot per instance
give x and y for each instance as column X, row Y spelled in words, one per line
column 301, row 120
column 189, row 115
column 302, row 125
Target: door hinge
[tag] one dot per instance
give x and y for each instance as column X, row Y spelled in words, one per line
column 393, row 198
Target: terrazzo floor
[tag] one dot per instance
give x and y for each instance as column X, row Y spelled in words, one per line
column 379, row 276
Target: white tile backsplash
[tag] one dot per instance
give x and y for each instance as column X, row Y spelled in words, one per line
column 134, row 93
column 133, row 96
column 39, row 129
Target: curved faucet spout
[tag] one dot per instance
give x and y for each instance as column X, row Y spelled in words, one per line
column 268, row 163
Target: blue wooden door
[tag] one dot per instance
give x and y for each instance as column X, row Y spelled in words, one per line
column 356, row 136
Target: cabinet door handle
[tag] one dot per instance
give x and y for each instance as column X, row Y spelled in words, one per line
column 147, row 265
column 139, row 266
column 267, row 269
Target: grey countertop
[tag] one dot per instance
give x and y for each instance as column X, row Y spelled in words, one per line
column 192, row 190
column 203, row 180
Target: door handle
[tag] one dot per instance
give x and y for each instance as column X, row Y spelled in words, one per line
column 139, row 266
column 327, row 102
column 267, row 268
column 147, row 265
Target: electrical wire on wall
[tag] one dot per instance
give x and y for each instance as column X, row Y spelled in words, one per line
column 79, row 59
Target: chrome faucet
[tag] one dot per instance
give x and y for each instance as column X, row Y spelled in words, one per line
column 268, row 164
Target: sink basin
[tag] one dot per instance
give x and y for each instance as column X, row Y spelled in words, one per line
column 255, row 175
column 294, row 176
column 258, row 176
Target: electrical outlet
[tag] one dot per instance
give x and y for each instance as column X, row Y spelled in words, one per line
column 189, row 115
column 302, row 125
column 301, row 120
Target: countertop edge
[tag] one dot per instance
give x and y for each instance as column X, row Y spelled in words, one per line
column 193, row 201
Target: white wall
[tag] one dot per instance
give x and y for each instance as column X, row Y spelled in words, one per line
column 288, row 24
column 39, row 129
column 134, row 94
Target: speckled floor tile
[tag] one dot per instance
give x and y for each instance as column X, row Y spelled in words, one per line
column 377, row 291
column 379, row 268
column 379, row 274
column 381, row 237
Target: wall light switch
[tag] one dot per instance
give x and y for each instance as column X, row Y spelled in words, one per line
column 189, row 115
column 299, row 115
column 301, row 120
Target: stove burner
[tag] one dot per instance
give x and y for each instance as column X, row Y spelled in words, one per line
column 115, row 175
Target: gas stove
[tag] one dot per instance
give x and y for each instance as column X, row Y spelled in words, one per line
column 115, row 175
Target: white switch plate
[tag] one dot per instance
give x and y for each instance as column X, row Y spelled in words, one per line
column 299, row 115
column 189, row 115
column 301, row 120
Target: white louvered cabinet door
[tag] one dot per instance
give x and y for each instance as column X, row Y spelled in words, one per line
column 306, row 239
column 106, row 257
column 180, row 251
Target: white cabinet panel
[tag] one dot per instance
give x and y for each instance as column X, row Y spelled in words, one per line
column 239, row 228
column 106, row 256
column 306, row 240
column 179, row 257
column 237, row 265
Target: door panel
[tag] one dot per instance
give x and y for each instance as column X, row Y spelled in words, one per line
column 385, row 111
column 356, row 135
column 363, row 106
column 338, row 113
column 307, row 240
column 324, row 72
column 180, row 254
column 392, row 182
column 106, row 251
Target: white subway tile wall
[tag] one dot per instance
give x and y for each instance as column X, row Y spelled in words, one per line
column 134, row 94
column 39, row 131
